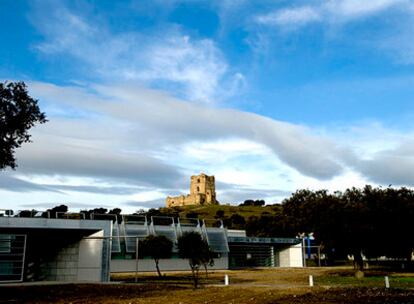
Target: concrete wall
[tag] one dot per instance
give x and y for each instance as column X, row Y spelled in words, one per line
column 165, row 265
column 64, row 266
column 80, row 261
column 291, row 256
column 90, row 262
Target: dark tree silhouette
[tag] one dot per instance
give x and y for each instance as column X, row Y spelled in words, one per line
column 251, row 202
column 370, row 222
column 117, row 213
column 27, row 213
column 207, row 257
column 18, row 113
column 193, row 247
column 57, row 209
column 219, row 214
column 99, row 210
column 158, row 247
column 191, row 214
column 238, row 220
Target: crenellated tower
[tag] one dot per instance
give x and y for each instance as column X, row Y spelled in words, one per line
column 202, row 192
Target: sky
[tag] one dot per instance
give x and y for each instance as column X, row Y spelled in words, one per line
column 267, row 96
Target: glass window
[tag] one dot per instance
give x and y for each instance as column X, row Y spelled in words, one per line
column 5, row 243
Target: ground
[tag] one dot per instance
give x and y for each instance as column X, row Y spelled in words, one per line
column 281, row 286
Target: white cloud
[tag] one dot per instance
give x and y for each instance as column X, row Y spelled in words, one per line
column 138, row 145
column 390, row 31
column 161, row 126
column 333, row 11
column 290, row 16
column 224, row 149
column 359, row 9
column 193, row 68
column 198, row 65
column 125, row 136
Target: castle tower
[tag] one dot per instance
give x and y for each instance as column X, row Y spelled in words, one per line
column 204, row 186
column 202, row 192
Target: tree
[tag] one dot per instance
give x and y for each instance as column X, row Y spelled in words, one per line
column 158, row 247
column 207, row 257
column 251, row 202
column 238, row 220
column 57, row 209
column 248, row 202
column 18, row 113
column 27, row 213
column 99, row 210
column 369, row 222
column 193, row 247
column 117, row 213
column 191, row 215
column 219, row 214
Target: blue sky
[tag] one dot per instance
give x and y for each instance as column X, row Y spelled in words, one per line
column 268, row 96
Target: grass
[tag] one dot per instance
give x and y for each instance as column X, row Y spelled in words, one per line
column 371, row 279
column 209, row 211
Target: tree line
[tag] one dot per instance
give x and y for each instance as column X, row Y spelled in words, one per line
column 371, row 222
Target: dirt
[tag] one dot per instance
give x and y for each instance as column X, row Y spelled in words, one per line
column 276, row 286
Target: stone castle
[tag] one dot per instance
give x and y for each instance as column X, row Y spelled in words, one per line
column 202, row 192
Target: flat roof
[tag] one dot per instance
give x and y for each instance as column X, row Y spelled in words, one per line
column 48, row 223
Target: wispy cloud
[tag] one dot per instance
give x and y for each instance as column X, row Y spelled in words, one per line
column 156, row 203
column 198, row 66
column 291, row 16
column 352, row 9
column 11, row 183
column 129, row 132
column 155, row 141
column 341, row 21
column 334, row 11
column 168, row 124
column 169, row 59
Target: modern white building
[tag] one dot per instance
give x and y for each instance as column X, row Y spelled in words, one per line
column 63, row 249
column 54, row 249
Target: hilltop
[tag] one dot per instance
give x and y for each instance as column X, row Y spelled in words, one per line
column 222, row 211
column 256, row 220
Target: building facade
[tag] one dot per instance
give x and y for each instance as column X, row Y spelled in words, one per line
column 202, row 192
column 89, row 249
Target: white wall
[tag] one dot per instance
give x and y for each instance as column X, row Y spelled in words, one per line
column 291, row 257
column 236, row 233
column 90, row 258
column 165, row 265
column 85, row 260
column 80, row 261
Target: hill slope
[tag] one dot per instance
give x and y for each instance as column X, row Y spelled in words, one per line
column 256, row 220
